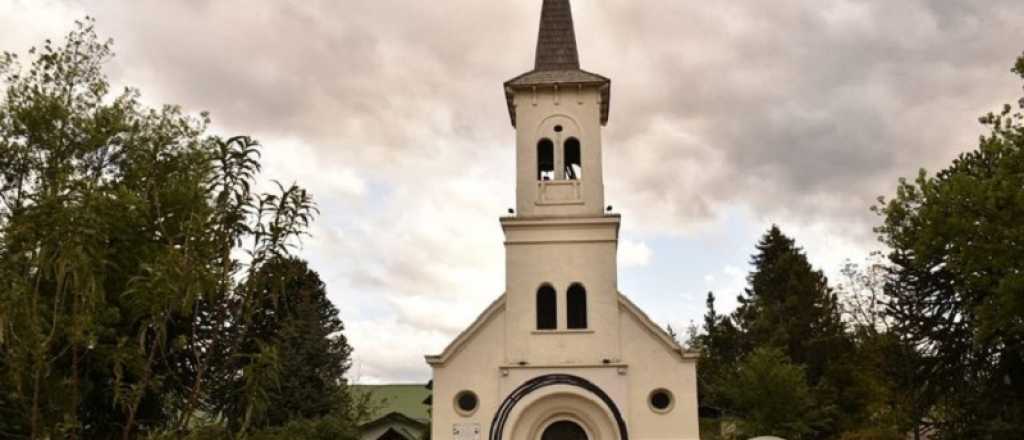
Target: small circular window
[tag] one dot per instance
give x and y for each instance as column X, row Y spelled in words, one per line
column 558, row 129
column 661, row 400
column 466, row 402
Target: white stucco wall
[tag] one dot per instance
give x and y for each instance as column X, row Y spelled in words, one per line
column 647, row 364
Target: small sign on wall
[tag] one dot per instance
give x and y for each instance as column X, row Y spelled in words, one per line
column 466, row 431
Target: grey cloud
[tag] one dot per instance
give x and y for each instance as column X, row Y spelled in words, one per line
column 814, row 107
column 798, row 109
column 810, row 95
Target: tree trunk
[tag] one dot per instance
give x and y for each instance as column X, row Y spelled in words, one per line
column 126, row 433
column 75, row 381
column 35, row 403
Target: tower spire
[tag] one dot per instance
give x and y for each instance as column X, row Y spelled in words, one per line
column 558, row 61
column 556, row 41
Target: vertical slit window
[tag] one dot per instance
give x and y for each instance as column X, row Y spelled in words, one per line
column 547, row 308
column 577, row 309
column 573, row 159
column 545, row 160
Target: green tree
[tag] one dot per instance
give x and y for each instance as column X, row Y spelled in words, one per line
column 790, row 306
column 885, row 360
column 956, row 244
column 295, row 316
column 120, row 228
column 720, row 351
column 770, row 396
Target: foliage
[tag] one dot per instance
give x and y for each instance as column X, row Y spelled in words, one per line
column 719, row 345
column 131, row 248
column 957, row 281
column 885, row 359
column 771, row 396
column 863, row 298
column 325, row 428
column 295, row 315
column 788, row 307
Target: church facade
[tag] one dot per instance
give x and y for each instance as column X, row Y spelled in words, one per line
column 562, row 354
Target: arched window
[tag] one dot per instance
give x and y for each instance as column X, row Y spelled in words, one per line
column 577, row 309
column 547, row 308
column 573, row 159
column 545, row 160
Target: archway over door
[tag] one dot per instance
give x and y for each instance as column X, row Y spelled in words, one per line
column 564, row 430
column 553, row 398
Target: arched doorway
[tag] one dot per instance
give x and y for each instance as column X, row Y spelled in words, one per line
column 552, row 398
column 564, row 430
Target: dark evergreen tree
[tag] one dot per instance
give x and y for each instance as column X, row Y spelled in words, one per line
column 720, row 353
column 790, row 306
column 293, row 318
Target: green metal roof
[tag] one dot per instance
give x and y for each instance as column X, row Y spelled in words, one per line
column 405, row 399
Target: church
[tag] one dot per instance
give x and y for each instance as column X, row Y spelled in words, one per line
column 562, row 354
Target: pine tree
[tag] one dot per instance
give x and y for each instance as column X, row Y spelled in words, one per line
column 295, row 318
column 789, row 305
column 720, row 352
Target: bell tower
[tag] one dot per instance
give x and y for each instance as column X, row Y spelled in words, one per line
column 561, row 273
column 558, row 110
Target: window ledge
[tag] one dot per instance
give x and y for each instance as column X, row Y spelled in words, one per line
column 567, row 331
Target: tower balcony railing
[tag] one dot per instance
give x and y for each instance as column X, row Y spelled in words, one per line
column 559, row 192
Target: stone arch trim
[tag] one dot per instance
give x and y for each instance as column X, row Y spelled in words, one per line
column 576, row 127
column 501, row 416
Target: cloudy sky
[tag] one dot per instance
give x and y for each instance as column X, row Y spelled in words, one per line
column 726, row 117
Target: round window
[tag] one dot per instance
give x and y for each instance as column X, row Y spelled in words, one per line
column 466, row 402
column 558, row 129
column 660, row 400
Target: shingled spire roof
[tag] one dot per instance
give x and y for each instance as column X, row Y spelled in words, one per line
column 556, row 43
column 558, row 62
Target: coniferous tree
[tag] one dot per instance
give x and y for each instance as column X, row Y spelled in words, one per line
column 296, row 316
column 957, row 281
column 789, row 305
column 720, row 352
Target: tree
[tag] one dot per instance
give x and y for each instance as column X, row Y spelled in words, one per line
column 771, row 396
column 295, row 316
column 790, row 306
column 957, row 280
column 862, row 296
column 720, row 352
column 120, row 229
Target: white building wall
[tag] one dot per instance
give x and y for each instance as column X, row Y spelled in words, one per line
column 647, row 364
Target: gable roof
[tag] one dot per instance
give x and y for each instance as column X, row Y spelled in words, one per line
column 390, row 399
column 468, row 333
column 624, row 304
column 656, row 329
